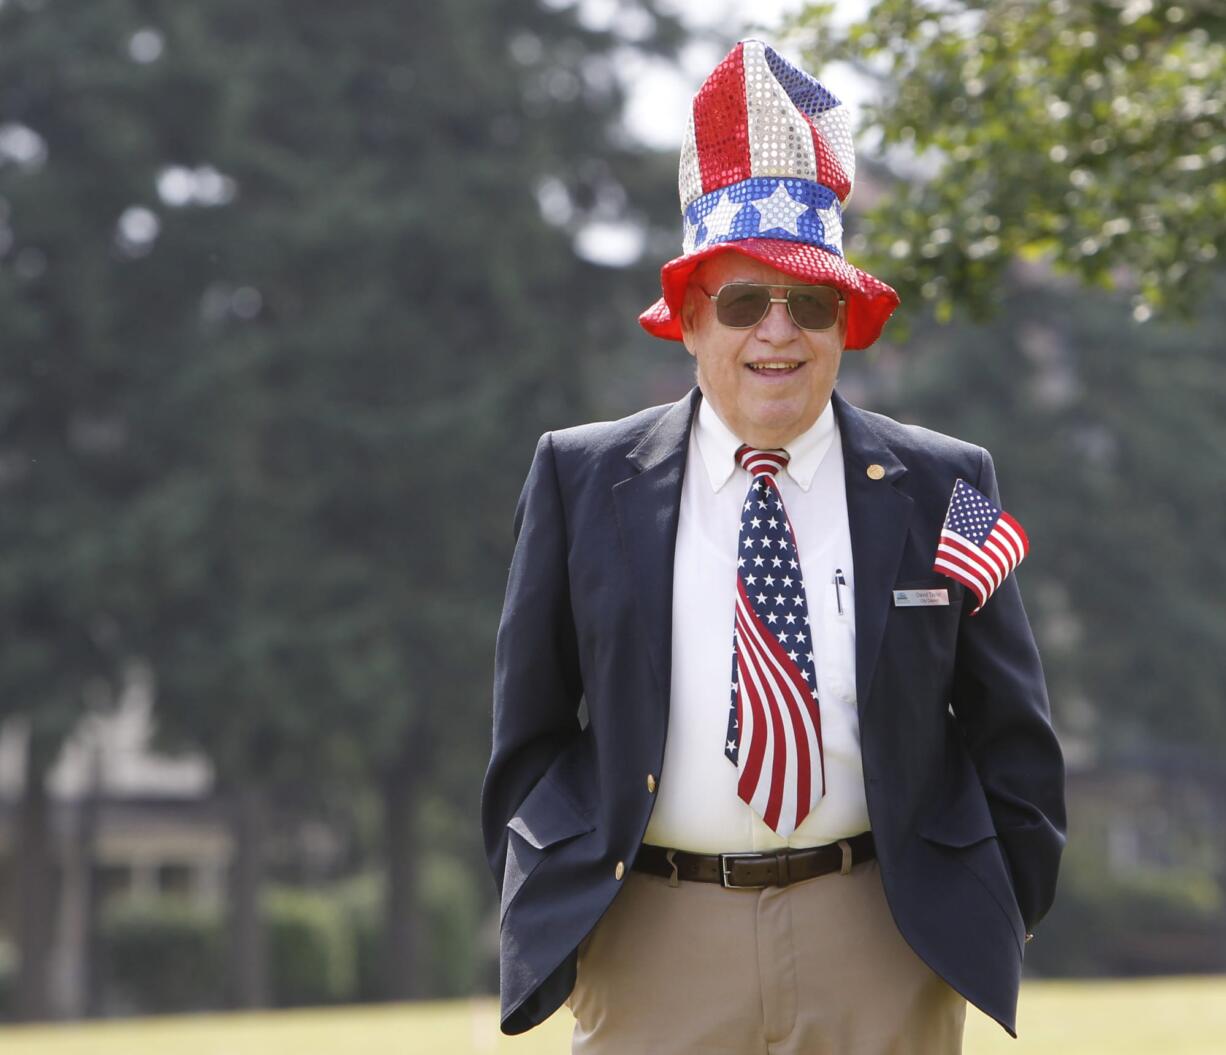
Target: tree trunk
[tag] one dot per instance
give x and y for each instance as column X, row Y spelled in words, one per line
column 91, row 895
column 402, row 927
column 73, row 914
column 35, row 894
column 248, row 939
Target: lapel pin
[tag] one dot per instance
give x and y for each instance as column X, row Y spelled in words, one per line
column 875, row 471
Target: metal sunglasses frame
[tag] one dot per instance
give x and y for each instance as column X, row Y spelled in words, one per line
column 771, row 287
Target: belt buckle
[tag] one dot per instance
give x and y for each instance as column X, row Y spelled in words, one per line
column 725, row 877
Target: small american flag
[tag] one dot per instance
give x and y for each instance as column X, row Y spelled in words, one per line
column 980, row 544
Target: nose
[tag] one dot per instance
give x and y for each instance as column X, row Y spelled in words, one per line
column 777, row 326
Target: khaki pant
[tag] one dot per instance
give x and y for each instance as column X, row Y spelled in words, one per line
column 816, row 968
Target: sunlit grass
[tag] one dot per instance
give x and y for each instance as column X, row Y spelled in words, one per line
column 1182, row 1016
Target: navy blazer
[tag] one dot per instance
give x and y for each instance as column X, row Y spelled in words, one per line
column 963, row 774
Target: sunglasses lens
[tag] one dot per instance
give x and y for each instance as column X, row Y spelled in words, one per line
column 743, row 304
column 740, row 305
column 815, row 307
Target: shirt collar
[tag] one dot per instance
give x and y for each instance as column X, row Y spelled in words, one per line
column 718, row 446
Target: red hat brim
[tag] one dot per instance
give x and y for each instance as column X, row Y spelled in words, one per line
column 870, row 302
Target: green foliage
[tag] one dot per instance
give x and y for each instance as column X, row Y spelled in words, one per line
column 360, row 899
column 229, row 411
column 453, row 910
column 161, row 956
column 312, row 948
column 166, row 955
column 8, row 977
column 1099, row 430
column 282, row 314
column 1031, row 140
column 325, row 944
column 1090, row 135
column 1085, row 139
column 1146, row 924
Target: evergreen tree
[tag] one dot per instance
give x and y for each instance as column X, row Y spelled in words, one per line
column 1042, row 150
column 1080, row 139
column 286, row 318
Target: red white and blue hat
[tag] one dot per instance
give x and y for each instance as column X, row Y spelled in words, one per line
column 766, row 169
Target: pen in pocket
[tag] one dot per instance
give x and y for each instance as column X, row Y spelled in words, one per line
column 839, row 583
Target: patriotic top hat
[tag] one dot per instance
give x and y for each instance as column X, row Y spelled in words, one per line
column 766, row 168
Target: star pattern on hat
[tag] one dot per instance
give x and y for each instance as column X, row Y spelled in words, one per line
column 780, row 210
column 720, row 219
column 832, row 226
column 689, row 233
column 757, row 122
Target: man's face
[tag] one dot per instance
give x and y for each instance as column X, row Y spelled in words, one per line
column 765, row 408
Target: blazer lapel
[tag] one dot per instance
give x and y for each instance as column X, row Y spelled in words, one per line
column 648, row 506
column 879, row 515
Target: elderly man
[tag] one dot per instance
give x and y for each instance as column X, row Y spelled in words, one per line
column 773, row 769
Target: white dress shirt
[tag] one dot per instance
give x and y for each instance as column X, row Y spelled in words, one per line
column 697, row 807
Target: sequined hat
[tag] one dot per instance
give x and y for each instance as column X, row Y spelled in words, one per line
column 766, row 168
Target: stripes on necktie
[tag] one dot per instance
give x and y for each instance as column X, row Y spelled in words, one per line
column 774, row 725
column 755, row 461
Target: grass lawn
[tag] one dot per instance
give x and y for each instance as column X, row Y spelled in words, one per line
column 1181, row 1016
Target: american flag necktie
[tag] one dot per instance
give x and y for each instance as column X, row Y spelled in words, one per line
column 774, row 725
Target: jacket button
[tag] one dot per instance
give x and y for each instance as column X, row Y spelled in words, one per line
column 651, row 783
column 620, row 870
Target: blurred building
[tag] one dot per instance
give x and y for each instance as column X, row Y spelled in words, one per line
column 149, row 823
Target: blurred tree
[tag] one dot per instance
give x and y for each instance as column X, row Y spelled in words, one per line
column 1056, row 176
column 1100, row 430
column 67, row 376
column 1028, row 137
column 299, row 283
column 1091, row 135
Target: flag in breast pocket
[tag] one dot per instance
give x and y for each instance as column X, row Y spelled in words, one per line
column 980, row 544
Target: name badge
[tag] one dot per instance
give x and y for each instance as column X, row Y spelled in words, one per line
column 917, row 598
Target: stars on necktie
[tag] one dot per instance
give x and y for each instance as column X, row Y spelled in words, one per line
column 772, row 673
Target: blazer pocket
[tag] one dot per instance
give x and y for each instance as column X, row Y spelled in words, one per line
column 960, row 816
column 960, row 825
column 546, row 818
column 964, row 831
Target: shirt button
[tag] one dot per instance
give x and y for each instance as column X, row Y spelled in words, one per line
column 620, row 870
column 651, row 782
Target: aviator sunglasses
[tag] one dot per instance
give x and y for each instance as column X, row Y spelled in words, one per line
column 740, row 305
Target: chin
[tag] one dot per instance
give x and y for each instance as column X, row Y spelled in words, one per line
column 775, row 434
column 775, row 419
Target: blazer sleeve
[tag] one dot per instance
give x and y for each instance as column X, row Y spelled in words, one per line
column 537, row 686
column 1000, row 701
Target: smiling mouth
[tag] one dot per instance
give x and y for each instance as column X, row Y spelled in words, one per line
column 774, row 369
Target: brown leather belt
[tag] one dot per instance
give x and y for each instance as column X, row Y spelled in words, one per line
column 754, row 871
